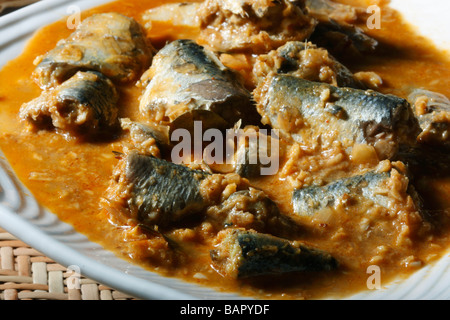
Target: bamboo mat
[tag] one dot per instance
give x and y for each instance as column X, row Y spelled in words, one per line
column 26, row 274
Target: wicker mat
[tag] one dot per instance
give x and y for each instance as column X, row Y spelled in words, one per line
column 26, row 274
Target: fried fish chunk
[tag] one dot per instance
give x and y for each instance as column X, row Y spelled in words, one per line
column 317, row 113
column 367, row 187
column 245, row 253
column 156, row 192
column 110, row 43
column 83, row 105
column 306, row 61
column 255, row 26
column 432, row 109
column 187, row 82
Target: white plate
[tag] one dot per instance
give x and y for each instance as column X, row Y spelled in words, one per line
column 22, row 216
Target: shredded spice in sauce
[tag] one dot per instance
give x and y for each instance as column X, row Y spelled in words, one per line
column 348, row 195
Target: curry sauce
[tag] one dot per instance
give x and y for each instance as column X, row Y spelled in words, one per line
column 71, row 177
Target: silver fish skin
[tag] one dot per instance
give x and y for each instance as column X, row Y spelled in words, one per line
column 311, row 112
column 110, row 43
column 83, row 105
column 365, row 187
column 344, row 41
column 188, row 81
column 245, row 254
column 432, row 110
column 162, row 193
column 336, row 29
column 155, row 192
column 306, row 61
column 310, row 200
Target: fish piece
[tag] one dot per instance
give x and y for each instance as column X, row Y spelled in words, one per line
column 234, row 202
column 145, row 138
column 344, row 41
column 425, row 160
column 187, row 82
column 256, row 153
column 307, row 61
column 317, row 114
column 432, row 109
column 181, row 14
column 381, row 205
column 155, row 191
column 336, row 29
column 252, row 209
column 244, row 254
column 110, row 43
column 364, row 190
column 244, row 165
column 255, row 26
column 83, row 105
column 171, row 21
column 324, row 10
column 310, row 200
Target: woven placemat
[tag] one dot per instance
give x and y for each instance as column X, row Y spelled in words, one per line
column 26, row 274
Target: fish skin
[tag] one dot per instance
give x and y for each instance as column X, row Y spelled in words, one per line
column 363, row 187
column 183, row 14
column 82, row 105
column 336, row 29
column 155, row 192
column 425, row 160
column 432, row 110
column 302, row 109
column 162, row 192
column 110, row 43
column 308, row 201
column 145, row 138
column 266, row 216
column 344, row 41
column 252, row 26
column 252, row 145
column 244, row 168
column 186, row 78
column 246, row 254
